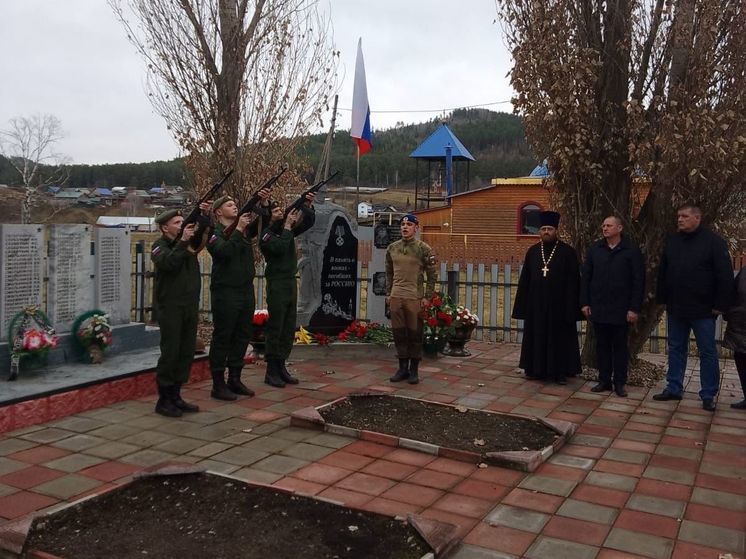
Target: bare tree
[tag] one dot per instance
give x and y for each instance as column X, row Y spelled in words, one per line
column 28, row 144
column 238, row 82
column 618, row 92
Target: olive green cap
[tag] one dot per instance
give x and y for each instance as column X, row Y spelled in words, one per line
column 166, row 216
column 220, row 201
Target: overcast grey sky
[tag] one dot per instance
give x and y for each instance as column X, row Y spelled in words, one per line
column 72, row 59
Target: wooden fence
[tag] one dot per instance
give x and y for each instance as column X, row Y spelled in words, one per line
column 486, row 289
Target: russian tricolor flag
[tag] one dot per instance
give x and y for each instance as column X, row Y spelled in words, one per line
column 360, row 130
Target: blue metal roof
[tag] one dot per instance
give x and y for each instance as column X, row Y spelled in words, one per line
column 104, row 192
column 434, row 146
column 540, row 170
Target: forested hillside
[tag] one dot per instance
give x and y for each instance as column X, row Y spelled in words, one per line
column 496, row 140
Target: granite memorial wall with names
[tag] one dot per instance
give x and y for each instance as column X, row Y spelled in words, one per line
column 70, row 272
column 21, row 271
column 113, row 274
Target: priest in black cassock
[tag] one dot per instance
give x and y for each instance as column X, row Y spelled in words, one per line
column 548, row 303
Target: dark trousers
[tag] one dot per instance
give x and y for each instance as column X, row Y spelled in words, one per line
column 406, row 325
column 612, row 353
column 232, row 315
column 178, row 324
column 740, row 359
column 282, row 300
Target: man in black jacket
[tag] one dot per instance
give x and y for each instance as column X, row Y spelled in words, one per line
column 611, row 291
column 695, row 280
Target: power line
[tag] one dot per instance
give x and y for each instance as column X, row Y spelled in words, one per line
column 432, row 110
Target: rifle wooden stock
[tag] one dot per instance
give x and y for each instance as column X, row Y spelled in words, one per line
column 313, row 190
column 251, row 203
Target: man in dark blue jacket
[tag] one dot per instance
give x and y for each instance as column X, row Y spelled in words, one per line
column 695, row 281
column 611, row 292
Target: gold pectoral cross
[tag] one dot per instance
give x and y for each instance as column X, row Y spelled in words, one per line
column 545, row 270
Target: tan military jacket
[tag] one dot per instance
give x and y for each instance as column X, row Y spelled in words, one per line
column 410, row 269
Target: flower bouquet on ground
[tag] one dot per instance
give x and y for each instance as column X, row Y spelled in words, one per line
column 31, row 337
column 464, row 322
column 258, row 338
column 366, row 332
column 93, row 335
column 437, row 316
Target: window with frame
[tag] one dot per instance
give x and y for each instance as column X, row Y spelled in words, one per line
column 528, row 219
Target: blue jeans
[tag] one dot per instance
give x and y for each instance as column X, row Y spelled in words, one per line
column 678, row 348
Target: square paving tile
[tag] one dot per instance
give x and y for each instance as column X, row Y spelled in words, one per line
column 112, row 450
column 611, row 481
column 365, row 483
column 73, row 462
column 209, row 449
column 67, row 486
column 253, row 475
column 500, row 538
column 305, row 451
column 39, row 454
column 48, row 435
column 76, row 443
column 79, row 424
column 656, row 505
column 552, row 548
column 713, row 536
column 463, row 505
column 414, row 494
column 22, row 503
column 110, row 471
column 179, row 445
column 550, row 485
column 579, row 531
column 588, row 511
column 518, row 518
column 240, row 456
column 280, row 464
column 476, row 552
column 322, row 473
column 640, row 544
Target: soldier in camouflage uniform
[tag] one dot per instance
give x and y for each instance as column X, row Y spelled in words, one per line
column 410, row 281
column 176, row 302
column 232, row 295
column 277, row 244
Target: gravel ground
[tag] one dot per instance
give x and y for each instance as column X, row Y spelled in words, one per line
column 641, row 373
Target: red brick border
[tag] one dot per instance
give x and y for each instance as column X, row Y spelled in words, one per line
column 76, row 400
column 523, row 460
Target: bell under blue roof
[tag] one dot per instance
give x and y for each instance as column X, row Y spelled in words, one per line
column 434, row 146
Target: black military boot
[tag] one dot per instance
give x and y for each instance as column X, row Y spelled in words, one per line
column 164, row 405
column 179, row 402
column 285, row 374
column 219, row 389
column 234, row 382
column 402, row 373
column 272, row 376
column 414, row 365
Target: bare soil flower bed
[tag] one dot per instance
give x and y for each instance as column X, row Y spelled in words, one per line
column 438, row 424
column 203, row 515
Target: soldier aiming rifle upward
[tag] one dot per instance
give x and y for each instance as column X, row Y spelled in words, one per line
column 249, row 206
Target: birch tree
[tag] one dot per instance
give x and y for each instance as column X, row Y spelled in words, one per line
column 29, row 144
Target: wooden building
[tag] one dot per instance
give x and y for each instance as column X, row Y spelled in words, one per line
column 492, row 224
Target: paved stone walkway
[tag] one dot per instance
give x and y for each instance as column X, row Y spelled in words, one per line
column 639, row 479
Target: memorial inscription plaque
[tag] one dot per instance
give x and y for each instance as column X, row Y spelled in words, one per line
column 70, row 271
column 113, row 274
column 21, row 279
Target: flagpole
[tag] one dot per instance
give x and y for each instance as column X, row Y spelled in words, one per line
column 357, row 182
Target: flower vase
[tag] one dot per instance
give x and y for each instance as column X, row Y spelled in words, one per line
column 457, row 340
column 432, row 346
column 258, row 341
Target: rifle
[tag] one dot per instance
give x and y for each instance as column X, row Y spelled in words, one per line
column 251, row 203
column 313, row 190
column 194, row 214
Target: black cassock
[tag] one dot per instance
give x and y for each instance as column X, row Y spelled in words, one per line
column 549, row 305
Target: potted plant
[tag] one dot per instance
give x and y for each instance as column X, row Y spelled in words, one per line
column 464, row 323
column 437, row 316
column 93, row 335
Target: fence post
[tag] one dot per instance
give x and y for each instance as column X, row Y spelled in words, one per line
column 453, row 285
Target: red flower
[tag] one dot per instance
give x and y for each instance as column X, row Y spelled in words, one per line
column 436, row 300
column 432, row 321
column 342, row 336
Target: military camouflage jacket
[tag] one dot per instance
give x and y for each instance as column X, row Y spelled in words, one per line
column 410, row 269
